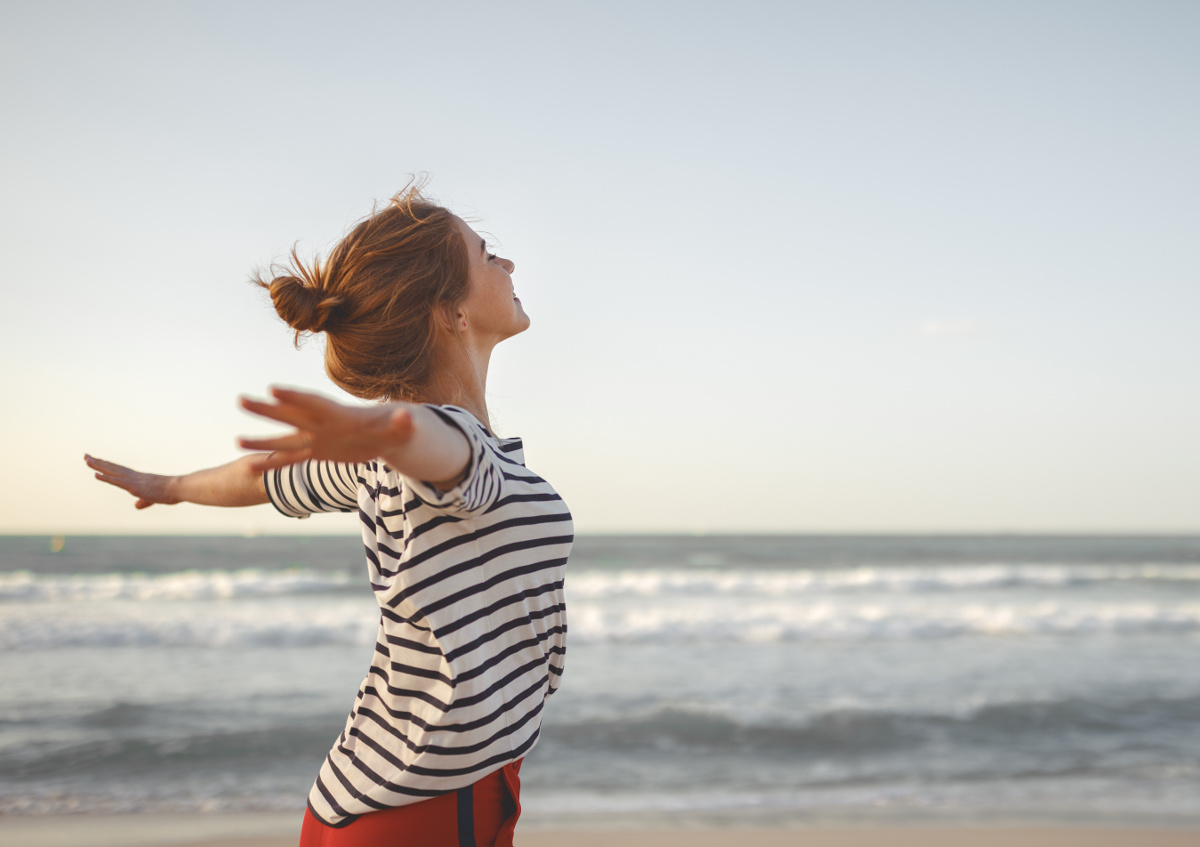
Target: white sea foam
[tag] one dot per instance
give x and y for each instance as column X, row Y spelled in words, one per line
column 789, row 621
column 601, row 584
column 306, row 621
column 186, row 585
column 892, row 579
column 279, row 622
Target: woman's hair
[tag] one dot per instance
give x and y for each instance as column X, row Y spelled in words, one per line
column 377, row 297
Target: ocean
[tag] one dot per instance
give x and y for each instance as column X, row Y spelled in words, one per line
column 801, row 679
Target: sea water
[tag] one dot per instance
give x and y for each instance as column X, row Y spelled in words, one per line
column 782, row 678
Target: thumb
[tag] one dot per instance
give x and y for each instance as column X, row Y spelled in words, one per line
column 400, row 423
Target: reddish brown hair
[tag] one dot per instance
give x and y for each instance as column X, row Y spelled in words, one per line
column 377, row 296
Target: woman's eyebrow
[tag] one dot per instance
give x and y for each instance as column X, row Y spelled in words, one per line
column 482, row 246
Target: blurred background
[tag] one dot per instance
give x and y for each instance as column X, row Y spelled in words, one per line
column 863, row 350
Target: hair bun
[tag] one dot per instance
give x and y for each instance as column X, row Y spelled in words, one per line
column 303, row 307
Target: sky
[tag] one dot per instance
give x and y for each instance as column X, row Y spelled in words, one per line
column 792, row 267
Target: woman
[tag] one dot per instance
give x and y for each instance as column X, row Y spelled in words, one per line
column 465, row 546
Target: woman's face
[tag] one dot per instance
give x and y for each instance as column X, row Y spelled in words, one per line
column 491, row 310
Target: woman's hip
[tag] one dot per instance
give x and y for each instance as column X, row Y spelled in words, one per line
column 483, row 814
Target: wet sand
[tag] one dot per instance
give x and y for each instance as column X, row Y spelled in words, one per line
column 280, row 830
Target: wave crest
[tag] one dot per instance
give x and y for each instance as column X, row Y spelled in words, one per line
column 791, row 621
column 594, row 584
column 184, row 585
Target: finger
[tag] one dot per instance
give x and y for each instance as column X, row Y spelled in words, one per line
column 119, row 482
column 295, row 441
column 302, row 399
column 276, row 412
column 400, row 423
column 143, row 504
column 106, row 467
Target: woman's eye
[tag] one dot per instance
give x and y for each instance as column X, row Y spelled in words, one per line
column 491, row 256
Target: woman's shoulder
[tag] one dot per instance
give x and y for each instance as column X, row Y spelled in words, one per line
column 509, row 448
column 464, row 416
column 461, row 414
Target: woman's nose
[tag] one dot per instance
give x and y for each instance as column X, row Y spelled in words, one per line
column 508, row 265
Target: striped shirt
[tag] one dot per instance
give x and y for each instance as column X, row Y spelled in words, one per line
column 472, row 623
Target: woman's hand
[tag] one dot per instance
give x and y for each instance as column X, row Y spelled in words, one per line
column 327, row 430
column 409, row 438
column 232, row 484
column 148, row 488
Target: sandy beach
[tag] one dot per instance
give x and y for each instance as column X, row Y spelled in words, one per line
column 280, row 830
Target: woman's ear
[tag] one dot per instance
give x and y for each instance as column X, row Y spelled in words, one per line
column 447, row 319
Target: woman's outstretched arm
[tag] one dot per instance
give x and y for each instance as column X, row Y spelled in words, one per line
column 410, row 438
column 238, row 483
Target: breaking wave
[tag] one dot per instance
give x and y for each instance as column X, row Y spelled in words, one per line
column 293, row 622
column 596, row 583
column 892, row 579
column 186, row 585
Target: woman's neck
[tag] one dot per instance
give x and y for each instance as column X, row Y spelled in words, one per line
column 460, row 379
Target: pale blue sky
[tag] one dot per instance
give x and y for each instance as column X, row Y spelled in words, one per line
column 791, row 266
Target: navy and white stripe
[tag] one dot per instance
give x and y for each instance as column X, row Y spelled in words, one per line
column 472, row 630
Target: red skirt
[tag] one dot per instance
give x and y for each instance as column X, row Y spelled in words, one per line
column 481, row 815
